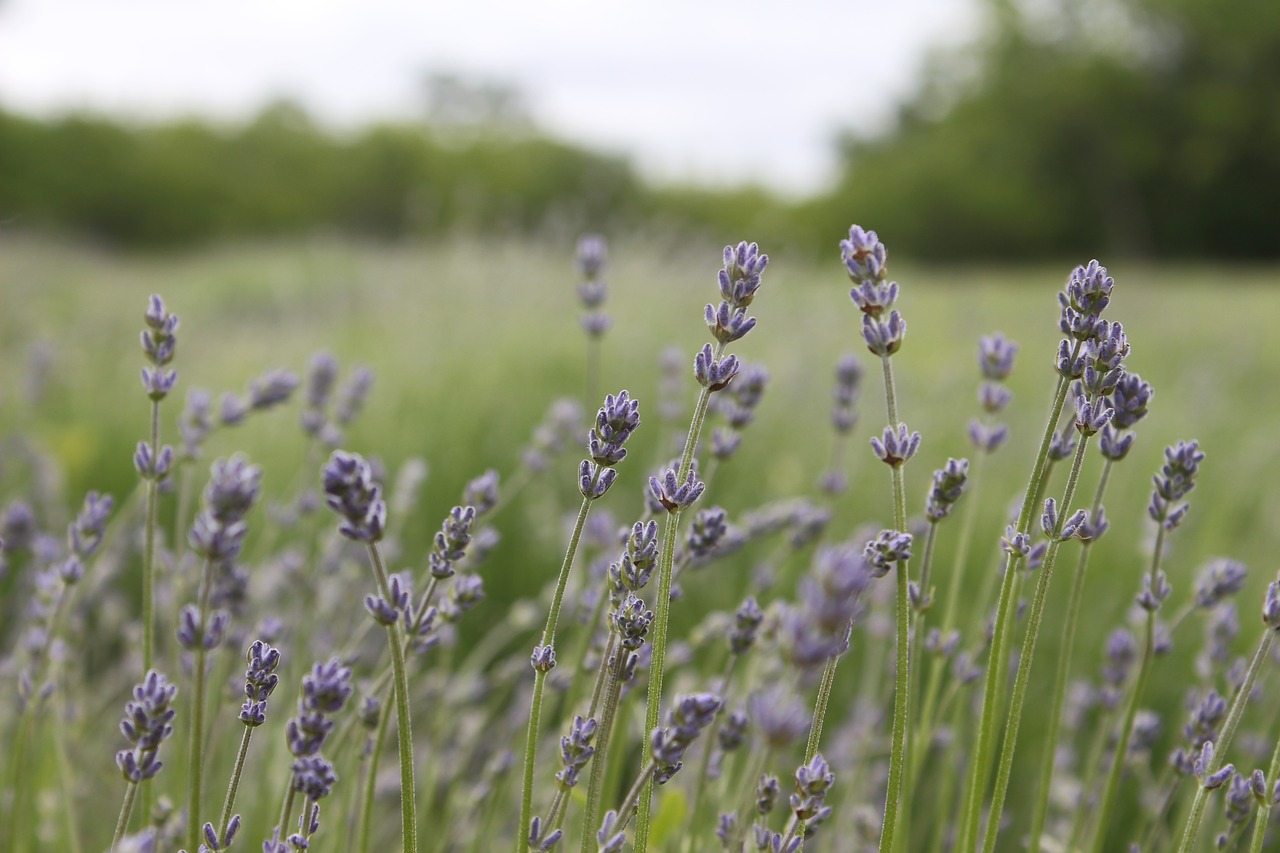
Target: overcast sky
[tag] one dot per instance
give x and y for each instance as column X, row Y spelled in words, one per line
column 714, row 90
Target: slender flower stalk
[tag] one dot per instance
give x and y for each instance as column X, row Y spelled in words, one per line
column 1176, row 479
column 1102, row 370
column 260, row 682
column 1060, row 529
column 1266, row 800
column 352, row 493
column 679, row 488
column 217, row 536
column 147, row 723
column 591, row 260
column 616, row 421
column 1129, row 401
column 883, row 330
column 1209, row 769
column 159, row 341
column 1086, row 295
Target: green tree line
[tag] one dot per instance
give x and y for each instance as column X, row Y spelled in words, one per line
column 1139, row 127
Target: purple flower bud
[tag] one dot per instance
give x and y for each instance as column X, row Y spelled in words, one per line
column 727, row 324
column 884, row 552
column 594, row 480
column 313, row 777
column 875, row 297
column 591, row 255
column 674, row 495
column 740, row 278
column 864, row 256
column 1130, row 398
column 158, row 383
column 896, row 447
column 987, row 439
column 995, row 356
column 271, row 389
column 1093, row 527
column 1271, row 606
column 1112, row 444
column 1258, row 787
column 1068, row 367
column 351, row 397
column 882, row 337
column 149, row 467
column 630, row 621
column 1092, row 416
column 543, row 658
column 1014, row 542
column 711, row 374
column 608, row 838
column 1154, row 594
column 1220, row 778
column 1218, row 579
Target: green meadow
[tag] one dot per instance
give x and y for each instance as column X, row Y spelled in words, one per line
column 471, row 342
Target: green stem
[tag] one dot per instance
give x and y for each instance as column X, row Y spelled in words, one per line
column 1041, row 808
column 230, row 803
column 539, row 680
column 371, row 781
column 125, row 811
column 927, row 721
column 1131, row 709
column 196, row 750
column 700, row 781
column 666, row 561
column 149, row 551
column 612, row 689
column 991, row 699
column 404, row 728
column 1264, row 810
column 1029, row 649
column 901, row 704
column 1228, row 732
column 820, row 707
column 633, row 795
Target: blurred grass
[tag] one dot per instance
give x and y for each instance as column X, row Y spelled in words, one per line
column 470, row 343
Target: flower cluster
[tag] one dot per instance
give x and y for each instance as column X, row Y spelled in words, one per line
column 685, row 721
column 260, row 682
column 617, row 419
column 159, row 340
column 351, row 492
column 591, row 257
column 949, row 483
column 325, row 691
column 995, row 359
column 1176, row 479
column 146, row 725
column 866, row 260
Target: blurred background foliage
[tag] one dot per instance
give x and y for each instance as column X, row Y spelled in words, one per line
column 1143, row 128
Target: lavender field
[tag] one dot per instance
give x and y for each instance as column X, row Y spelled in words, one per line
column 388, row 471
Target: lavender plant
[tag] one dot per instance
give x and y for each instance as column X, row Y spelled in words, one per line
column 735, row 592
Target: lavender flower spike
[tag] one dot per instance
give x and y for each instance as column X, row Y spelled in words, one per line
column 740, row 278
column 351, row 492
column 146, row 724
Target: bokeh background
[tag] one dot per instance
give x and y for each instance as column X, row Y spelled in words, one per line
column 963, row 129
